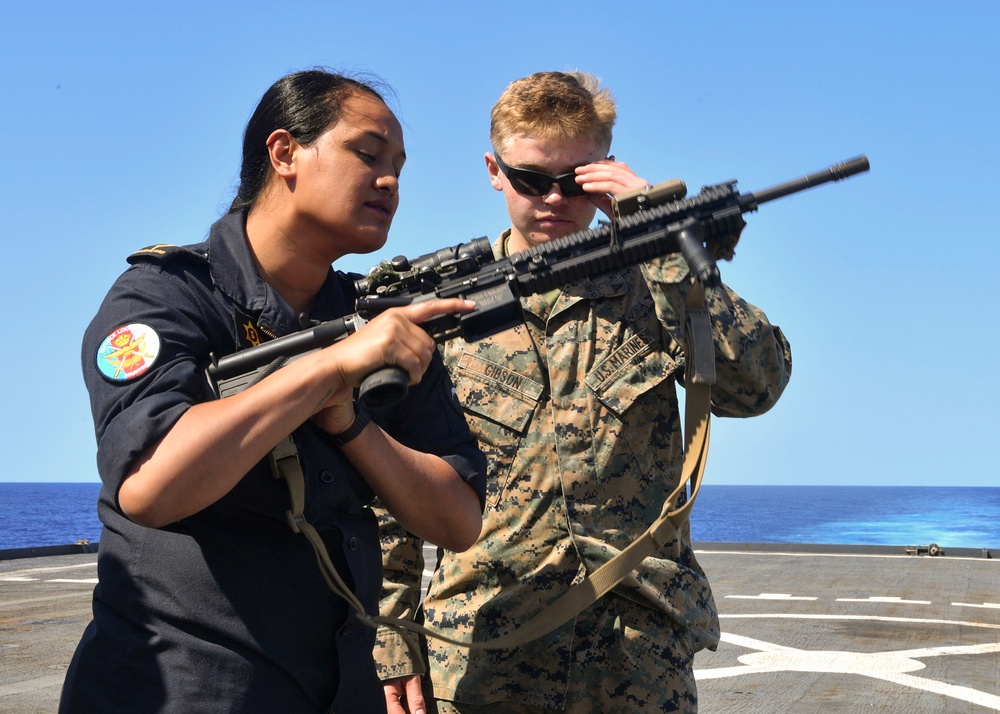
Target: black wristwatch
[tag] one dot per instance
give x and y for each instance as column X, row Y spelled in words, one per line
column 361, row 420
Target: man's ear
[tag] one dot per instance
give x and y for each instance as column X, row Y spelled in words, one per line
column 493, row 168
column 281, row 147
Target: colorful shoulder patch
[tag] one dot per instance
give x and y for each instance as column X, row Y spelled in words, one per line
column 128, row 352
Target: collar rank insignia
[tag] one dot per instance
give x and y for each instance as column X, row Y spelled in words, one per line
column 247, row 332
column 128, row 352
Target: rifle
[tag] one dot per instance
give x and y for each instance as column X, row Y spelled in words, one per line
column 649, row 224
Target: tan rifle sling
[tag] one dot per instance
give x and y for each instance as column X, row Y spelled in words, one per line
column 699, row 373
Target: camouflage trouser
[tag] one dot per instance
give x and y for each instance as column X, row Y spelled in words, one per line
column 626, row 661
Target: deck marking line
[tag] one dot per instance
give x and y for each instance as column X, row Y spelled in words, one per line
column 770, row 596
column 31, row 685
column 927, row 621
column 986, row 648
column 49, row 569
column 965, row 694
column 68, row 595
column 986, row 605
column 877, row 598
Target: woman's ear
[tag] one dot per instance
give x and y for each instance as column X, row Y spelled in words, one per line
column 281, row 146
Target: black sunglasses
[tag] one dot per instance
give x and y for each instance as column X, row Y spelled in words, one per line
column 535, row 183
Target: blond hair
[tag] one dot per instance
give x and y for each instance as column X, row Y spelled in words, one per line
column 554, row 105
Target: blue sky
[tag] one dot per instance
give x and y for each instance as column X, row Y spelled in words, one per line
column 124, row 121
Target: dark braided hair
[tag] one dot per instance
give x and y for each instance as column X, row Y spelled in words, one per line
column 305, row 103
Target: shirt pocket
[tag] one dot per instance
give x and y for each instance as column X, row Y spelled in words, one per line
column 637, row 366
column 499, row 404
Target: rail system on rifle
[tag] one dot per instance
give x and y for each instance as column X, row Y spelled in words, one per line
column 650, row 224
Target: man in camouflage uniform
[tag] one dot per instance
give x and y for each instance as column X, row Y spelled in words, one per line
column 577, row 412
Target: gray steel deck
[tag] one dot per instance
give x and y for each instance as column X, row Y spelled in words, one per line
column 805, row 629
column 812, row 632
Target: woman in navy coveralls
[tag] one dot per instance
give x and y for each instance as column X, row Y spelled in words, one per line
column 207, row 600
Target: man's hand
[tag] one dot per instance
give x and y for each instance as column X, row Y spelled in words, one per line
column 606, row 178
column 403, row 695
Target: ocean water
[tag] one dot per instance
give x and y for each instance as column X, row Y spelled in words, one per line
column 956, row 517
column 37, row 514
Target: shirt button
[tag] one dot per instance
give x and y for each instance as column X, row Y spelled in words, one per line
column 353, row 543
column 326, row 476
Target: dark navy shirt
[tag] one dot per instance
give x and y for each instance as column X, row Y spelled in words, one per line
column 226, row 610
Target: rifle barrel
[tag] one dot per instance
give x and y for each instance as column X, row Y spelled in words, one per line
column 836, row 172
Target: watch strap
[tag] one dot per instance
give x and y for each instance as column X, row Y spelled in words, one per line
column 361, row 420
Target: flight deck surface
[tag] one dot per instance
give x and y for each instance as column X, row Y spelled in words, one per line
column 805, row 629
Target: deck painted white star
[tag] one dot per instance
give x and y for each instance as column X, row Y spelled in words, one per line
column 891, row 666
